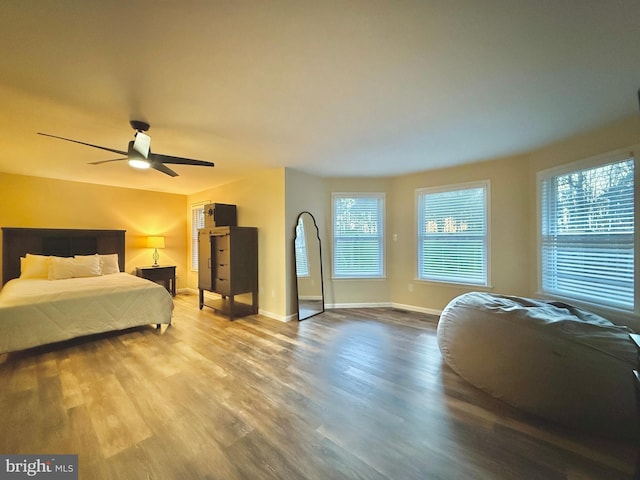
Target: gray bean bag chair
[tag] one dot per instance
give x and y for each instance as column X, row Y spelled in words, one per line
column 546, row 358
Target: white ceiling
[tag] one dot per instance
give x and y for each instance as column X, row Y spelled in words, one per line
column 357, row 87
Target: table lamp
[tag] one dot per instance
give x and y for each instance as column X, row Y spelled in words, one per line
column 155, row 243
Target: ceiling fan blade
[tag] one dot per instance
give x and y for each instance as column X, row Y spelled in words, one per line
column 83, row 143
column 107, row 161
column 157, row 157
column 163, row 168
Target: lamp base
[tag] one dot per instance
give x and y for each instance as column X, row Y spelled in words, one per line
column 155, row 257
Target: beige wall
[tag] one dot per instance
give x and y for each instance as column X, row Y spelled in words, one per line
column 260, row 202
column 510, row 238
column 513, row 221
column 38, row 202
column 366, row 291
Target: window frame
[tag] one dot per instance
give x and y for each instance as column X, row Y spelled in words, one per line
column 381, row 197
column 419, row 193
column 194, row 235
column 593, row 162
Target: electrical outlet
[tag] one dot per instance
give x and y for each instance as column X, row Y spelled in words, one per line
column 411, row 287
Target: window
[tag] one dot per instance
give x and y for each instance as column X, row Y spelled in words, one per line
column 197, row 221
column 302, row 260
column 358, row 232
column 452, row 234
column 587, row 230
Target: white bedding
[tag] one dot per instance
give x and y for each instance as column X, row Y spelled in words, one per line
column 37, row 311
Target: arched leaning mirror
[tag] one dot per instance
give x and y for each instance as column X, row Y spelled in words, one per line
column 308, row 257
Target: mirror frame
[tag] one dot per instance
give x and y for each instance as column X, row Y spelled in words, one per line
column 317, row 235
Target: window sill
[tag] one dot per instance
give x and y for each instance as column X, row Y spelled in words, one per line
column 475, row 286
column 358, row 278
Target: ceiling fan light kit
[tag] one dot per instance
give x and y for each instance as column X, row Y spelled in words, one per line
column 139, row 154
column 139, row 163
column 139, row 149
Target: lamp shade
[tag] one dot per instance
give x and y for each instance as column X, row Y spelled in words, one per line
column 155, row 242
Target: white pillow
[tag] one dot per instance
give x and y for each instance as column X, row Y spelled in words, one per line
column 34, row 266
column 61, row 267
column 109, row 263
column 92, row 262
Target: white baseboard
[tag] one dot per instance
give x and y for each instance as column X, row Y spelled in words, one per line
column 280, row 318
column 401, row 306
column 358, row 305
column 413, row 308
column 265, row 313
column 327, row 306
column 187, row 290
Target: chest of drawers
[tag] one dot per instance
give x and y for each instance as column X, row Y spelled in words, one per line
column 228, row 266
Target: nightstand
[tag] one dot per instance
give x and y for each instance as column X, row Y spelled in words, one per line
column 164, row 274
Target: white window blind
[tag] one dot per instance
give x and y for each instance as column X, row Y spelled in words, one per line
column 452, row 234
column 587, row 234
column 197, row 221
column 302, row 260
column 358, row 233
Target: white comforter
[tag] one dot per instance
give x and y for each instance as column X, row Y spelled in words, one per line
column 37, row 311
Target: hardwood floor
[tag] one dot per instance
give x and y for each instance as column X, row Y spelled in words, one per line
column 359, row 393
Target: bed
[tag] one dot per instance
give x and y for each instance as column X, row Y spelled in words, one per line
column 70, row 297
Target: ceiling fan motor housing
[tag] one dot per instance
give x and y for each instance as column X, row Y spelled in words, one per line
column 139, row 125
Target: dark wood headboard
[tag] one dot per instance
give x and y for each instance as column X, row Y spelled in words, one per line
column 61, row 242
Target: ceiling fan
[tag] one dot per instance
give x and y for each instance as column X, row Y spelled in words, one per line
column 139, row 152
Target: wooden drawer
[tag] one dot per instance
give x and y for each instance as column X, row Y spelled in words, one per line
column 220, row 244
column 162, row 274
column 222, row 271
column 223, row 256
column 158, row 273
column 222, row 286
column 221, row 241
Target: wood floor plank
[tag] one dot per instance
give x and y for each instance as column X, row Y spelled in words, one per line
column 71, row 391
column 358, row 394
column 115, row 419
column 20, row 376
